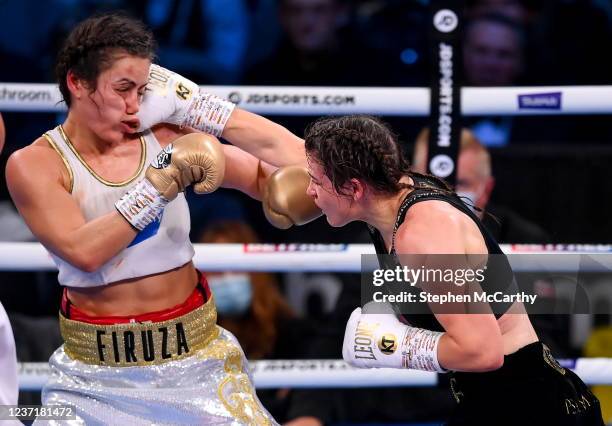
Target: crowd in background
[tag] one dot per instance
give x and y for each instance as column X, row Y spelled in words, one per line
column 345, row 43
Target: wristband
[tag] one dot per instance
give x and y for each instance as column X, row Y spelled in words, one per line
column 421, row 350
column 208, row 113
column 141, row 205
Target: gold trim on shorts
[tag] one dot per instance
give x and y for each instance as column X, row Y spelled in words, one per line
column 140, row 344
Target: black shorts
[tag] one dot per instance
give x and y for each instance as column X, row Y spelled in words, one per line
column 530, row 389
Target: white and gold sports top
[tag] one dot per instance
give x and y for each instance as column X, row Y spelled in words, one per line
column 162, row 245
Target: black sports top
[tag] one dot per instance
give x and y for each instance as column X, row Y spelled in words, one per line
column 430, row 188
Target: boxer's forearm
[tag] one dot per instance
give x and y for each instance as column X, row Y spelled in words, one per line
column 245, row 172
column 478, row 355
column 94, row 243
column 264, row 139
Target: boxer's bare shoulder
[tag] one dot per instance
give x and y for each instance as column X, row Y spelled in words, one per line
column 41, row 156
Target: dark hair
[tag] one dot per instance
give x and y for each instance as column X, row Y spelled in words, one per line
column 90, row 47
column 360, row 147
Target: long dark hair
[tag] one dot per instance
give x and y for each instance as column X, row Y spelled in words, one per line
column 92, row 45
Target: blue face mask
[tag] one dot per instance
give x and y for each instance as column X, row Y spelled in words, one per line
column 233, row 293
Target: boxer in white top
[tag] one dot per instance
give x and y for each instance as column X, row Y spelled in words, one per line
column 103, row 193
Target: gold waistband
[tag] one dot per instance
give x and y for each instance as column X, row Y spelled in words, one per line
column 140, row 344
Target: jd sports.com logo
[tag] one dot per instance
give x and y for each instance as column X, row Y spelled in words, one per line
column 445, row 20
column 441, row 165
column 387, row 343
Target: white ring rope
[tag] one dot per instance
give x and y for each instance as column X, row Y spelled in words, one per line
column 401, row 101
column 271, row 374
column 321, row 257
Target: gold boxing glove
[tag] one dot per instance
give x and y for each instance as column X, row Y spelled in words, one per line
column 285, row 202
column 195, row 158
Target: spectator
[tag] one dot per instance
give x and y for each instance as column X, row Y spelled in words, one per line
column 475, row 181
column 319, row 49
column 499, row 51
column 523, row 11
column 493, row 51
column 203, row 40
column 493, row 55
column 249, row 305
column 399, row 28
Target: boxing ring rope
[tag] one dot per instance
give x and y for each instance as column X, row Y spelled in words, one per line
column 271, row 374
column 402, row 101
column 318, row 257
column 319, row 373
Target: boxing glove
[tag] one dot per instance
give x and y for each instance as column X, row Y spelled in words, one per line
column 194, row 158
column 378, row 340
column 285, row 201
column 171, row 98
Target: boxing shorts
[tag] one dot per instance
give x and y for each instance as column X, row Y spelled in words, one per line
column 174, row 366
column 531, row 388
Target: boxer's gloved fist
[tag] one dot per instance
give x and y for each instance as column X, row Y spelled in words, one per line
column 373, row 340
column 195, row 158
column 378, row 339
column 167, row 98
column 285, row 201
column 172, row 98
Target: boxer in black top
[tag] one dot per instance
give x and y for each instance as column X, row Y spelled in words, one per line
column 500, row 373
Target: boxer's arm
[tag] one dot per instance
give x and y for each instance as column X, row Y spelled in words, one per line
column 265, row 139
column 285, row 201
column 35, row 181
column 172, row 98
column 244, row 172
column 471, row 342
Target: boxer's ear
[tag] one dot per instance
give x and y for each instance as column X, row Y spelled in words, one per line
column 77, row 86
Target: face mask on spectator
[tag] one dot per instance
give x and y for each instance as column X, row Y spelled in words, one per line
column 233, row 293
